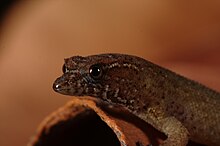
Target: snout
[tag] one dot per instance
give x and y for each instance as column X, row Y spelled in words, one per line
column 68, row 84
column 59, row 84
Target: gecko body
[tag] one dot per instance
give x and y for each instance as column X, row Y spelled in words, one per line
column 180, row 108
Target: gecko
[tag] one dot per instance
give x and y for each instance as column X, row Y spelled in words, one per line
column 179, row 107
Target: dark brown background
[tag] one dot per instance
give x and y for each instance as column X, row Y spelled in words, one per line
column 183, row 36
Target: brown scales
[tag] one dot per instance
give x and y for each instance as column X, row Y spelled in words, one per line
column 180, row 108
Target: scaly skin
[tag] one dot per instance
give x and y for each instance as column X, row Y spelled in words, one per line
column 177, row 106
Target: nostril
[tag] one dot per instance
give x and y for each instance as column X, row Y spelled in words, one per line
column 56, row 87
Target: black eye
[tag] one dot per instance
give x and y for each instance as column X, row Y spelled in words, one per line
column 95, row 71
column 64, row 69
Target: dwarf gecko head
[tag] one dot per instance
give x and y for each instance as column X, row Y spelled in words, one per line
column 112, row 77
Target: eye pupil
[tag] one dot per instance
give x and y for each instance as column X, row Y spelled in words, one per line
column 95, row 71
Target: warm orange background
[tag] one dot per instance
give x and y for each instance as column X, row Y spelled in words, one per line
column 183, row 36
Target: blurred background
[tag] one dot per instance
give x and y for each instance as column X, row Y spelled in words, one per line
column 35, row 37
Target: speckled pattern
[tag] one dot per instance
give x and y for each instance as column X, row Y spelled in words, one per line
column 179, row 107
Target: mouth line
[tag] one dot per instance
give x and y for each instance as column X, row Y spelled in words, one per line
column 59, row 88
column 67, row 90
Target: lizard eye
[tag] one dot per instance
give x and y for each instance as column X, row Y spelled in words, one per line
column 95, row 71
column 65, row 69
